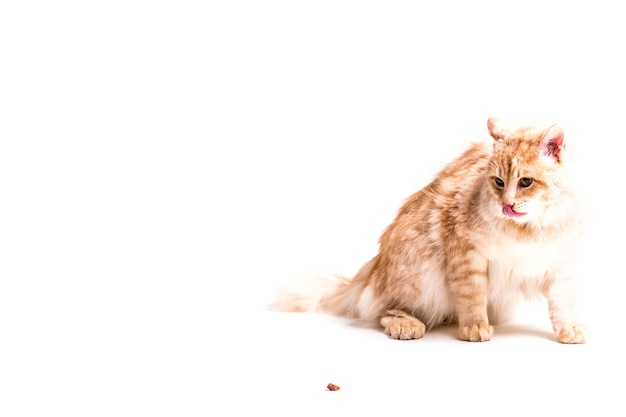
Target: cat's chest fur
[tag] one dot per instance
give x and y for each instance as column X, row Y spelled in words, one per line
column 525, row 265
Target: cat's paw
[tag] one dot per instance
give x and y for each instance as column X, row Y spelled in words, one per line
column 476, row 332
column 571, row 333
column 400, row 325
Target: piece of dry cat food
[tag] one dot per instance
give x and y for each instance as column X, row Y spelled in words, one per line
column 333, row 387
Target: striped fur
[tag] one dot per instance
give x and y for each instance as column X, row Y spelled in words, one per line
column 498, row 224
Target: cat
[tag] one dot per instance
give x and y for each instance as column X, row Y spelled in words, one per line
column 498, row 224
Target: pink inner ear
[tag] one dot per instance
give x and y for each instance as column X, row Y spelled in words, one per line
column 552, row 143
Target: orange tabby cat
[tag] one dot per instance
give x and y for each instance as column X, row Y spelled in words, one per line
column 497, row 224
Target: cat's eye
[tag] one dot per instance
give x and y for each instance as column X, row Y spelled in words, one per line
column 525, row 182
column 499, row 182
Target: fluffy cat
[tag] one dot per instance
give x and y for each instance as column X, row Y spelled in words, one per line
column 498, row 224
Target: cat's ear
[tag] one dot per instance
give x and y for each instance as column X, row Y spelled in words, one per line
column 552, row 143
column 495, row 129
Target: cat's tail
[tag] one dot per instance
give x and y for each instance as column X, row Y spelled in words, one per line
column 319, row 294
column 333, row 294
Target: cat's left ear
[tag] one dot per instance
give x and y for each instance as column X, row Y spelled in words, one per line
column 495, row 129
column 552, row 143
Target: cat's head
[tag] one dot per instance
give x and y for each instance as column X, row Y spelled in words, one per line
column 526, row 172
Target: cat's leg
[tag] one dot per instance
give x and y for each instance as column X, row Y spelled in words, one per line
column 562, row 307
column 400, row 325
column 468, row 284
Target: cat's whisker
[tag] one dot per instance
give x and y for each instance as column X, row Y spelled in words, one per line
column 478, row 211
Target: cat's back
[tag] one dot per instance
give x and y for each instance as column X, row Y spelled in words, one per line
column 469, row 164
column 453, row 183
column 426, row 214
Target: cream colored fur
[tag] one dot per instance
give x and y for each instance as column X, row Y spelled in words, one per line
column 499, row 224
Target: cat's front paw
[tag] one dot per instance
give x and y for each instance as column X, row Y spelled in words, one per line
column 399, row 325
column 476, row 332
column 571, row 333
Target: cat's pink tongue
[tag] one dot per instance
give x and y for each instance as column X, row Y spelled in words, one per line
column 508, row 211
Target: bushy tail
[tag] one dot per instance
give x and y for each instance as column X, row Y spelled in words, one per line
column 313, row 294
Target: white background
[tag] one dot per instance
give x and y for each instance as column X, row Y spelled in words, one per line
column 164, row 166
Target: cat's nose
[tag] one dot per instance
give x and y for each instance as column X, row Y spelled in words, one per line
column 508, row 200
